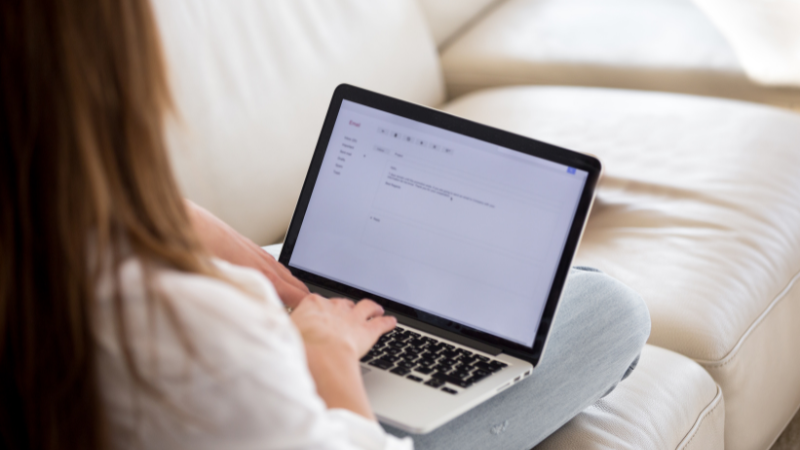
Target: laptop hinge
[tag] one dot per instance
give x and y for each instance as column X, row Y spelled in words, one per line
column 422, row 326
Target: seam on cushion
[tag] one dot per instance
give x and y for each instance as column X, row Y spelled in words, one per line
column 710, row 409
column 467, row 26
column 735, row 350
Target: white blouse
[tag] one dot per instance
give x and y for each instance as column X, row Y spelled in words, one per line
column 247, row 386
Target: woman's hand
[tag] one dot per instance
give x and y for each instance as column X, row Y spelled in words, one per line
column 341, row 325
column 336, row 333
column 226, row 243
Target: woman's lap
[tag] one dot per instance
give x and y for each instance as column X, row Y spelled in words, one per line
column 599, row 331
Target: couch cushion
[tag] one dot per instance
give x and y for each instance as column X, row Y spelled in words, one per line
column 447, row 17
column 252, row 82
column 699, row 211
column 669, row 402
column 663, row 45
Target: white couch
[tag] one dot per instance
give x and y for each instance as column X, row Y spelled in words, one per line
column 699, row 209
column 660, row 45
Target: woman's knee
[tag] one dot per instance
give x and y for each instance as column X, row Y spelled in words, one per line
column 612, row 309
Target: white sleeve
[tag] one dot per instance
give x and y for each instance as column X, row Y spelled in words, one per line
column 367, row 434
column 249, row 386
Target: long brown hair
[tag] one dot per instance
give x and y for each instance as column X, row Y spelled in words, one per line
column 83, row 172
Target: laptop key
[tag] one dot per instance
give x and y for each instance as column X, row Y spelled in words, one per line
column 414, row 378
column 440, row 368
column 423, row 370
column 462, row 383
column 406, row 364
column 410, row 360
column 444, row 367
column 475, row 379
column 460, row 374
column 469, row 360
column 483, row 366
column 449, row 391
column 481, row 373
column 495, row 366
column 434, row 382
column 448, row 378
column 402, row 371
column 392, row 358
column 449, row 354
column 382, row 364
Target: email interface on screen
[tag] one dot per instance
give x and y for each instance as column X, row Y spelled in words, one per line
column 447, row 224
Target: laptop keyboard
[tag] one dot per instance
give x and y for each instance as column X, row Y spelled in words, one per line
column 427, row 360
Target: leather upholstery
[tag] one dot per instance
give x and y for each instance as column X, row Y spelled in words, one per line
column 698, row 211
column 252, row 82
column 448, row 17
column 669, row 402
column 661, row 45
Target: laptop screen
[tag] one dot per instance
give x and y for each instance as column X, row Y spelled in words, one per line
column 441, row 222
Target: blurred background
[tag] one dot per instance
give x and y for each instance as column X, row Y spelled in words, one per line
column 739, row 49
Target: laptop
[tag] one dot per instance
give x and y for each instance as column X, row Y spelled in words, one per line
column 464, row 232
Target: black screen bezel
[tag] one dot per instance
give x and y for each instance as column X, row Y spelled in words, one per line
column 475, row 130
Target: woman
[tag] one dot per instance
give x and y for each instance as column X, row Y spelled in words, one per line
column 118, row 328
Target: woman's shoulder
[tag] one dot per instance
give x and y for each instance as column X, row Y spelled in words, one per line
column 222, row 316
column 247, row 361
column 232, row 287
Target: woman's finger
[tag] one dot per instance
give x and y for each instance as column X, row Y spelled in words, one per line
column 289, row 295
column 287, row 276
column 343, row 303
column 272, row 264
column 382, row 325
column 267, row 263
column 367, row 309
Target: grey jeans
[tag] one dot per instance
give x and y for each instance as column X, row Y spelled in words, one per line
column 597, row 336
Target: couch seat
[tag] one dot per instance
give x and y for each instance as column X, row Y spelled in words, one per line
column 669, row 402
column 699, row 211
column 661, row 45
